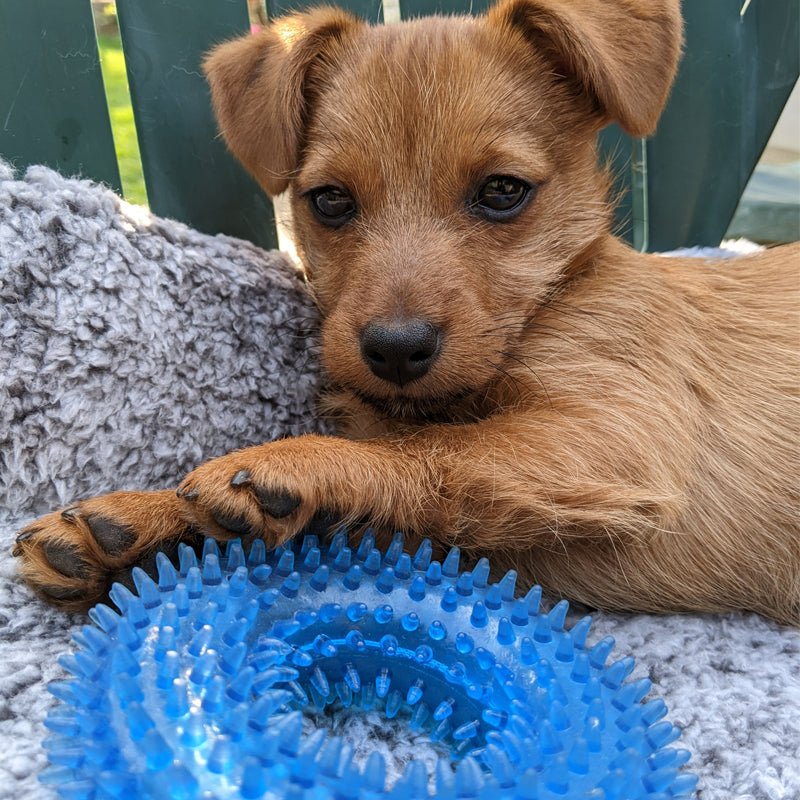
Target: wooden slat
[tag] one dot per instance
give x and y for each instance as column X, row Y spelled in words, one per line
column 737, row 73
column 419, row 8
column 189, row 173
column 52, row 103
column 370, row 10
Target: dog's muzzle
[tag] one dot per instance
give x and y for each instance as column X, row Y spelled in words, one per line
column 400, row 353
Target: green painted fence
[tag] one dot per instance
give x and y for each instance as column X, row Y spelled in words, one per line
column 678, row 188
column 52, row 102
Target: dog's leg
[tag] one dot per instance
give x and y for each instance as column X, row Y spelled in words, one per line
column 506, row 483
column 72, row 556
column 590, row 502
column 276, row 490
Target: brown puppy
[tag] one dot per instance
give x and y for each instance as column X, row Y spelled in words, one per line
column 510, row 378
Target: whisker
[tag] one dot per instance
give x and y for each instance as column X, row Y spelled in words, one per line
column 511, row 314
column 566, row 308
column 504, row 372
column 519, row 360
column 511, row 326
column 544, row 327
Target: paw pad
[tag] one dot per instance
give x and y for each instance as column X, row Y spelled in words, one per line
column 66, row 559
column 114, row 538
column 277, row 503
column 235, row 524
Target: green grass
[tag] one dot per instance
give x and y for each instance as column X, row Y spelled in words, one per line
column 119, row 106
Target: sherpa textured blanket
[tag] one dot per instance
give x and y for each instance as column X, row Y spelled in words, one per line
column 134, row 348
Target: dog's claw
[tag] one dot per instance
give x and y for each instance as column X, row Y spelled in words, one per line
column 26, row 534
column 278, row 503
column 70, row 514
column 188, row 494
column 17, row 550
column 241, row 478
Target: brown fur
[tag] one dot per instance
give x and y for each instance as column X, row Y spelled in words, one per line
column 618, row 427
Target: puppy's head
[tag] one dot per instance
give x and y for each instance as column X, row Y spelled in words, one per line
column 442, row 171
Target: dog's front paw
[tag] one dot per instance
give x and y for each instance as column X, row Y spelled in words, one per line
column 272, row 491
column 72, row 556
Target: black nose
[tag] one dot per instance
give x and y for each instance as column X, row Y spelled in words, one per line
column 402, row 353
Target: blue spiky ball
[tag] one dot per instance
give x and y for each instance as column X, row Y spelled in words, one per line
column 195, row 689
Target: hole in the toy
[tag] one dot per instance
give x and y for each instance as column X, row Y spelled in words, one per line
column 373, row 683
column 373, row 732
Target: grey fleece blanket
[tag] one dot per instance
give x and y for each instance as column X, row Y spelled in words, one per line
column 133, row 348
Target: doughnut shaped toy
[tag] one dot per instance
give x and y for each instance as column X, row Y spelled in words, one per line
column 196, row 687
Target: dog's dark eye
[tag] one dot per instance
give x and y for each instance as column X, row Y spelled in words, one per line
column 332, row 206
column 501, row 197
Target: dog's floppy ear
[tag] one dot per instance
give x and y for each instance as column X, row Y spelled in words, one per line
column 622, row 53
column 261, row 87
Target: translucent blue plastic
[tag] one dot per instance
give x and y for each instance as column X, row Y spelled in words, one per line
column 196, row 688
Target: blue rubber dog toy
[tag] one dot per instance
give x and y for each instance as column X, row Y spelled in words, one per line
column 196, row 689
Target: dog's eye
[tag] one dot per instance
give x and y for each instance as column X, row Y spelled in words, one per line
column 332, row 206
column 501, row 197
